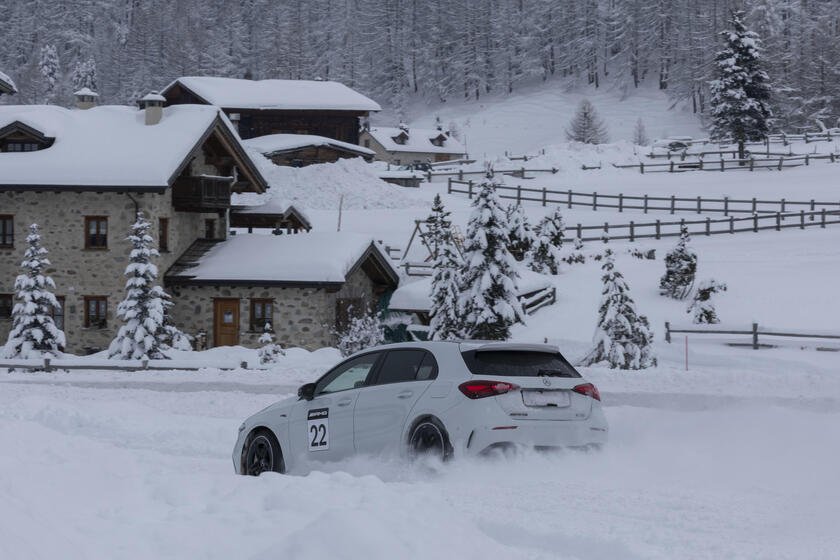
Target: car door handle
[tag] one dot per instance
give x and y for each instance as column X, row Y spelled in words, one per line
column 404, row 394
column 344, row 402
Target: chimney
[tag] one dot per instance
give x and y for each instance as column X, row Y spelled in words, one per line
column 152, row 103
column 234, row 120
column 85, row 98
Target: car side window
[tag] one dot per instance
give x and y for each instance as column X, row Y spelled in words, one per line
column 406, row 365
column 349, row 375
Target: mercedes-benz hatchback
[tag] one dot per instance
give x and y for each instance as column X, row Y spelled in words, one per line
column 442, row 399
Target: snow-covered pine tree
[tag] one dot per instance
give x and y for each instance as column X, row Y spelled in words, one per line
column 487, row 302
column 362, row 331
column 446, row 322
column 34, row 334
column 640, row 137
column 520, row 235
column 741, row 93
column 545, row 255
column 50, row 70
column 623, row 337
column 269, row 351
column 438, row 226
column 84, row 74
column 576, row 256
column 680, row 268
column 587, row 126
column 144, row 334
column 702, row 305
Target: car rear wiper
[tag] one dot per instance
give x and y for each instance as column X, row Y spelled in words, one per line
column 553, row 373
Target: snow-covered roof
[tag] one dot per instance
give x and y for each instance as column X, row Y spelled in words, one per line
column 315, row 257
column 107, row 146
column 233, row 93
column 416, row 296
column 6, row 84
column 86, row 91
column 153, row 96
column 274, row 143
column 417, row 140
column 270, row 203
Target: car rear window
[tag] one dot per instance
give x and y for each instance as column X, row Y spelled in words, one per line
column 518, row 363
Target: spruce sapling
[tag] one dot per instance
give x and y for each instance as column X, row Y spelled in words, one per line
column 680, row 268
column 703, row 306
column 545, row 256
column 446, row 322
column 269, row 351
column 521, row 237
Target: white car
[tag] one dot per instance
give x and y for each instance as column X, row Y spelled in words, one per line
column 429, row 398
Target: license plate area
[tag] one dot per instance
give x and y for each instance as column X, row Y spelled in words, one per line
column 555, row 398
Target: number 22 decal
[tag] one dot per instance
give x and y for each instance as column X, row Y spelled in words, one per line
column 318, row 429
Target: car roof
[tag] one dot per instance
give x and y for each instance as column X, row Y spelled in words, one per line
column 467, row 345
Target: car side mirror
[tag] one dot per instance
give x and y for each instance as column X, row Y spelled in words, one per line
column 307, row 392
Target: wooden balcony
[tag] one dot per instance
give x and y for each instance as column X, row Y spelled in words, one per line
column 201, row 194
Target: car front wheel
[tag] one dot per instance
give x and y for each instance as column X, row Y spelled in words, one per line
column 261, row 453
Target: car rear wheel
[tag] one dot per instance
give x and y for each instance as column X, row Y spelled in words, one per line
column 429, row 440
column 261, row 453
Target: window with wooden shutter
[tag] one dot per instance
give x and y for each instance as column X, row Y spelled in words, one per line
column 7, row 231
column 96, row 312
column 96, row 232
column 262, row 314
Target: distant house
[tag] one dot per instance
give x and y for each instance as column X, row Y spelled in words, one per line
column 304, row 286
column 401, row 145
column 262, row 107
column 300, row 150
column 7, row 86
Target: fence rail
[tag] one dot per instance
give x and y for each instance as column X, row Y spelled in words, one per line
column 749, row 164
column 754, row 333
column 49, row 364
column 521, row 172
column 780, row 138
column 646, row 203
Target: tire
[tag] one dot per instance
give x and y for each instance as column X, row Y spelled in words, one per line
column 428, row 439
column 261, row 453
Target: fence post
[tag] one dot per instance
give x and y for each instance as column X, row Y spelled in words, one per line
column 47, row 366
column 570, row 198
column 606, row 229
column 755, row 223
column 752, row 163
column 812, row 209
column 642, row 167
column 699, row 202
column 594, row 201
column 822, row 217
column 460, row 174
column 523, row 171
column 802, row 219
column 144, row 364
column 667, row 332
column 806, row 160
column 519, row 194
column 469, row 194
column 753, row 205
column 632, row 233
column 708, row 225
column 620, row 202
column 671, row 170
column 783, row 206
column 721, row 164
column 781, row 159
column 672, row 204
column 580, row 235
column 543, row 198
column 778, row 221
column 725, row 205
column 646, row 204
column 658, row 225
column 701, row 164
column 831, row 157
column 449, row 185
column 755, row 336
column 731, row 224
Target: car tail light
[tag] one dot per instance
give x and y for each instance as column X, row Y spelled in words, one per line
column 589, row 390
column 480, row 389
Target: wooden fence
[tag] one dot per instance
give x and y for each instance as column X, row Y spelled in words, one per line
column 754, row 333
column 521, row 173
column 646, row 203
column 749, row 164
column 780, row 138
column 682, row 154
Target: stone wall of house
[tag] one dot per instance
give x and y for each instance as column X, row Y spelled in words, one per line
column 80, row 272
column 303, row 316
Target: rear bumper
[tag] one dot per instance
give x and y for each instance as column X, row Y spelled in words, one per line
column 540, row 433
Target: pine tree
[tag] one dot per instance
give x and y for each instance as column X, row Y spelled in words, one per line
column 446, row 322
column 269, row 351
column 487, row 302
column 623, row 338
column 702, row 306
column 145, row 333
column 680, row 268
column 84, row 75
column 520, row 236
column 50, row 71
column 576, row 256
column 741, row 92
column 362, row 331
column 438, row 226
column 551, row 232
column 587, row 126
column 640, row 137
column 34, row 334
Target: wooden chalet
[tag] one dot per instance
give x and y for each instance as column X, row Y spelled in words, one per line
column 263, row 107
column 300, row 150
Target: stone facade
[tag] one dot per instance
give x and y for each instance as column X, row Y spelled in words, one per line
column 80, row 272
column 302, row 316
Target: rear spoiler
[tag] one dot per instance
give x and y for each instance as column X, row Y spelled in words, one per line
column 481, row 346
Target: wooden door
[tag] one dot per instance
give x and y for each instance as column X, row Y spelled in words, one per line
column 225, row 322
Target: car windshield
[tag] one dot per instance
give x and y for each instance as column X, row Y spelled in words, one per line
column 518, row 363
